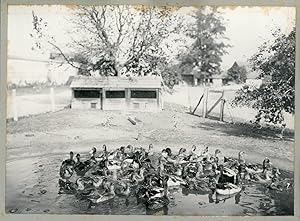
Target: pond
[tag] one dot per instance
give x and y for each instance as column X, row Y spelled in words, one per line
column 32, row 188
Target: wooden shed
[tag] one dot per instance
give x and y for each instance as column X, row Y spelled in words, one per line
column 117, row 93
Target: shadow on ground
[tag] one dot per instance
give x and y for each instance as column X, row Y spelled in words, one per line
column 244, row 129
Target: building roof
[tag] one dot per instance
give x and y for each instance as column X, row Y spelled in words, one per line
column 116, row 82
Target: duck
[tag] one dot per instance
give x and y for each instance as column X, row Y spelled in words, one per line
column 182, row 158
column 268, row 174
column 275, row 184
column 228, row 189
column 122, row 189
column 156, row 193
column 104, row 193
column 126, row 164
column 204, row 153
column 226, row 175
column 70, row 161
column 113, row 171
column 93, row 158
column 138, row 177
column 278, row 184
column 267, row 164
column 135, row 164
column 201, row 186
column 66, row 187
column 151, row 192
column 112, row 155
column 80, row 167
column 150, row 150
column 97, row 181
column 190, row 170
column 241, row 158
column 146, row 163
column 157, row 203
column 104, row 152
column 84, row 187
column 84, row 183
column 209, row 167
column 117, row 154
column 174, row 180
column 215, row 156
column 193, row 156
column 233, row 163
column 67, row 167
column 129, row 151
column 101, row 168
column 193, row 149
column 156, row 180
column 253, row 169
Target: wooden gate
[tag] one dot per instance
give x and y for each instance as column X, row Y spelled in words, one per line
column 208, row 109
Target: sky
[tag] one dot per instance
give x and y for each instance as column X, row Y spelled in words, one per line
column 247, row 28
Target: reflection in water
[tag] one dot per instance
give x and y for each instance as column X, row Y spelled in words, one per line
column 237, row 198
column 160, row 211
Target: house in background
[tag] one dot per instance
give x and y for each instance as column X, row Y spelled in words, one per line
column 254, row 79
column 189, row 79
column 198, row 79
column 24, row 71
column 117, row 93
column 216, row 80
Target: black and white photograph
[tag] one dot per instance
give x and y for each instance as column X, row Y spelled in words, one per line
column 150, row 110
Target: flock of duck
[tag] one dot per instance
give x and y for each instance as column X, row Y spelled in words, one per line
column 135, row 171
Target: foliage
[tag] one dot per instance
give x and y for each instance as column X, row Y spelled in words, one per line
column 205, row 53
column 116, row 40
column 237, row 73
column 276, row 62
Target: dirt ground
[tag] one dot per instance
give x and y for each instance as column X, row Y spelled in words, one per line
column 32, row 101
column 80, row 130
column 36, row 145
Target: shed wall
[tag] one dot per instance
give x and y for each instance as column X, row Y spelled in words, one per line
column 86, row 103
column 127, row 103
column 144, row 104
column 114, row 104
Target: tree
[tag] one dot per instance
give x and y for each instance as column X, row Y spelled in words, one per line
column 275, row 61
column 237, row 73
column 208, row 33
column 115, row 40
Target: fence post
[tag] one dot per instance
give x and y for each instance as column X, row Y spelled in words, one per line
column 14, row 105
column 205, row 103
column 52, row 99
column 222, row 110
column 189, row 99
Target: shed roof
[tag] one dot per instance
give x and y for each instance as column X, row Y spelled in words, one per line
column 116, row 82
